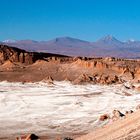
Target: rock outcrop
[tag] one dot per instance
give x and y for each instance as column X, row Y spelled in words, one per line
column 84, row 78
column 28, row 137
column 48, row 80
column 121, row 129
column 17, row 55
column 79, row 70
column 104, row 117
column 117, row 114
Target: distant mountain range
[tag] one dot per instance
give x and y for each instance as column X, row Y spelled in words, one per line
column 107, row 46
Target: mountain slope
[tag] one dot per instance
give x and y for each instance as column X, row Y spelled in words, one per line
column 107, row 46
column 110, row 41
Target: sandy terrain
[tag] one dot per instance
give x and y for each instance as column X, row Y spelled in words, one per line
column 72, row 105
column 123, row 129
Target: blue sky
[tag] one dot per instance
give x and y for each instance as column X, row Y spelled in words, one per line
column 84, row 19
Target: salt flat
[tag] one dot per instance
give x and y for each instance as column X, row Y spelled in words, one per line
column 59, row 109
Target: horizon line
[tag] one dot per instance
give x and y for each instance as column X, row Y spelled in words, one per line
column 101, row 38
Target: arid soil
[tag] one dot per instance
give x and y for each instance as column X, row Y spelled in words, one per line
column 21, row 66
column 123, row 129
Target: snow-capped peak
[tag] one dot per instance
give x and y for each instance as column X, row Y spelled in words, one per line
column 109, row 39
column 9, row 41
column 131, row 40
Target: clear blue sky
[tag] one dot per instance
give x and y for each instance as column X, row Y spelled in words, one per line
column 84, row 19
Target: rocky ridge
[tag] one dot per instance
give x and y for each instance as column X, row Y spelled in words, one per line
column 33, row 66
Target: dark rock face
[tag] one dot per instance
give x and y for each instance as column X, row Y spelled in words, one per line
column 18, row 55
column 15, row 55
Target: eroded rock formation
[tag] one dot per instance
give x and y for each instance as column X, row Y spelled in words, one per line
column 33, row 66
column 15, row 55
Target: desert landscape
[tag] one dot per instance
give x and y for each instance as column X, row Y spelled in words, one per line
column 57, row 96
column 69, row 70
column 22, row 66
column 107, row 46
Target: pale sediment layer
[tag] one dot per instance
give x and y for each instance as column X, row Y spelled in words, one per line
column 61, row 109
column 35, row 103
